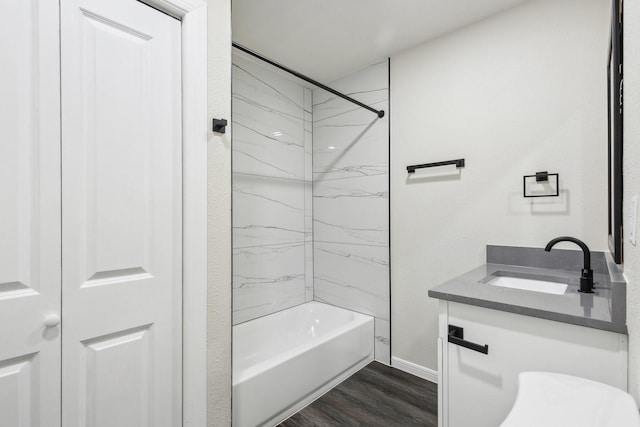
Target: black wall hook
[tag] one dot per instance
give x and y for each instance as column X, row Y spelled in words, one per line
column 219, row 125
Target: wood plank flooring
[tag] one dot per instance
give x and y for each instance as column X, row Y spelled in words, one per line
column 377, row 395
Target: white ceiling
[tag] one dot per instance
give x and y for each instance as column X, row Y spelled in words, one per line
column 326, row 39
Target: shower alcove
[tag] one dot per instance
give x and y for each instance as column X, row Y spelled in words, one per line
column 310, row 212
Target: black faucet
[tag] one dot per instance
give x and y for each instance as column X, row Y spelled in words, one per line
column 586, row 280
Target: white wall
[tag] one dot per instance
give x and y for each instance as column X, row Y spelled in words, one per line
column 631, row 168
column 219, row 212
column 521, row 92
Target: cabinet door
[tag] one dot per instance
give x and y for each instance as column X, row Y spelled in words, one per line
column 29, row 214
column 481, row 388
column 121, row 215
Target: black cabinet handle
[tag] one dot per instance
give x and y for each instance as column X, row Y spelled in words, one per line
column 456, row 335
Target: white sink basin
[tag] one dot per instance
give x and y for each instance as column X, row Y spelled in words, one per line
column 534, row 285
column 549, row 399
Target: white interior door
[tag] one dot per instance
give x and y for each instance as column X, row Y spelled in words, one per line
column 121, row 215
column 29, row 214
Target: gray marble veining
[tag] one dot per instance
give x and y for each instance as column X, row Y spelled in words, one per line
column 267, row 211
column 351, row 200
column 308, row 192
column 272, row 192
column 310, row 195
column 269, row 122
column 353, row 277
column 339, row 206
column 267, row 279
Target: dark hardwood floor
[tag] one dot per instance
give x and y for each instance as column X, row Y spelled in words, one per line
column 377, row 395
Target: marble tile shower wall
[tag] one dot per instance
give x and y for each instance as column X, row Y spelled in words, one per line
column 272, row 191
column 351, row 199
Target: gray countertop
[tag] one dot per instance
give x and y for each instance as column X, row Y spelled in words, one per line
column 605, row 309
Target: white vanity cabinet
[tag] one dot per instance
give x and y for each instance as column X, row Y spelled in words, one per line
column 476, row 389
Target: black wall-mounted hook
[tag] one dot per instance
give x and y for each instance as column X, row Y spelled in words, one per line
column 219, row 125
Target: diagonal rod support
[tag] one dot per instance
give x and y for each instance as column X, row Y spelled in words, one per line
column 380, row 113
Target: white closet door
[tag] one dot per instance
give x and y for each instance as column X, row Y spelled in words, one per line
column 29, row 214
column 121, row 215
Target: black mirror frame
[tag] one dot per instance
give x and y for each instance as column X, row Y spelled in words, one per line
column 615, row 82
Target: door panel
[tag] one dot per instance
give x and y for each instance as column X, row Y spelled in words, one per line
column 121, row 220
column 103, row 360
column 30, row 214
column 18, row 391
column 117, row 183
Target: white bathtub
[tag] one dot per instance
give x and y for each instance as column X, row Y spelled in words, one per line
column 284, row 361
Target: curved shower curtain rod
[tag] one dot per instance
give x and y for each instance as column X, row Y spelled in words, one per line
column 380, row 113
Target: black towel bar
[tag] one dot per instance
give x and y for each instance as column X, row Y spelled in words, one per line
column 458, row 162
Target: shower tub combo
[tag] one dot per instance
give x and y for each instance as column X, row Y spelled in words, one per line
column 284, row 361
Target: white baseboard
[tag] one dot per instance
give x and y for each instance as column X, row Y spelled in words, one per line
column 414, row 369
